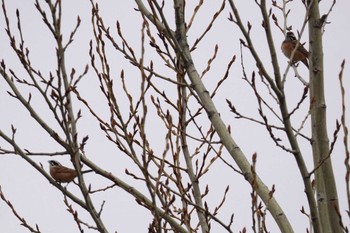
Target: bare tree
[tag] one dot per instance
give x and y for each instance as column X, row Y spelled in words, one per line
column 166, row 96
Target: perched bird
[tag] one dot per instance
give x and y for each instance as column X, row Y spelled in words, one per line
column 61, row 173
column 288, row 46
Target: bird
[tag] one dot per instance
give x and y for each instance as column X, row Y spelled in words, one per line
column 61, row 173
column 288, row 46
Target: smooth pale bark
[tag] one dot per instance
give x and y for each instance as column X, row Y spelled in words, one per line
column 327, row 196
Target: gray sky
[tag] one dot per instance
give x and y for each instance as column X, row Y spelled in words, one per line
column 40, row 203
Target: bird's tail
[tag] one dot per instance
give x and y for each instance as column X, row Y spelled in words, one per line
column 305, row 63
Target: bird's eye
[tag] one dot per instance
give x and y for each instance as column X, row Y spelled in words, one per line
column 53, row 163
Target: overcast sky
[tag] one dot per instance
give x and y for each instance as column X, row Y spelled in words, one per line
column 40, row 203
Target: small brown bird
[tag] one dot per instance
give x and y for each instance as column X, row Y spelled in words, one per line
column 61, row 173
column 288, row 46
